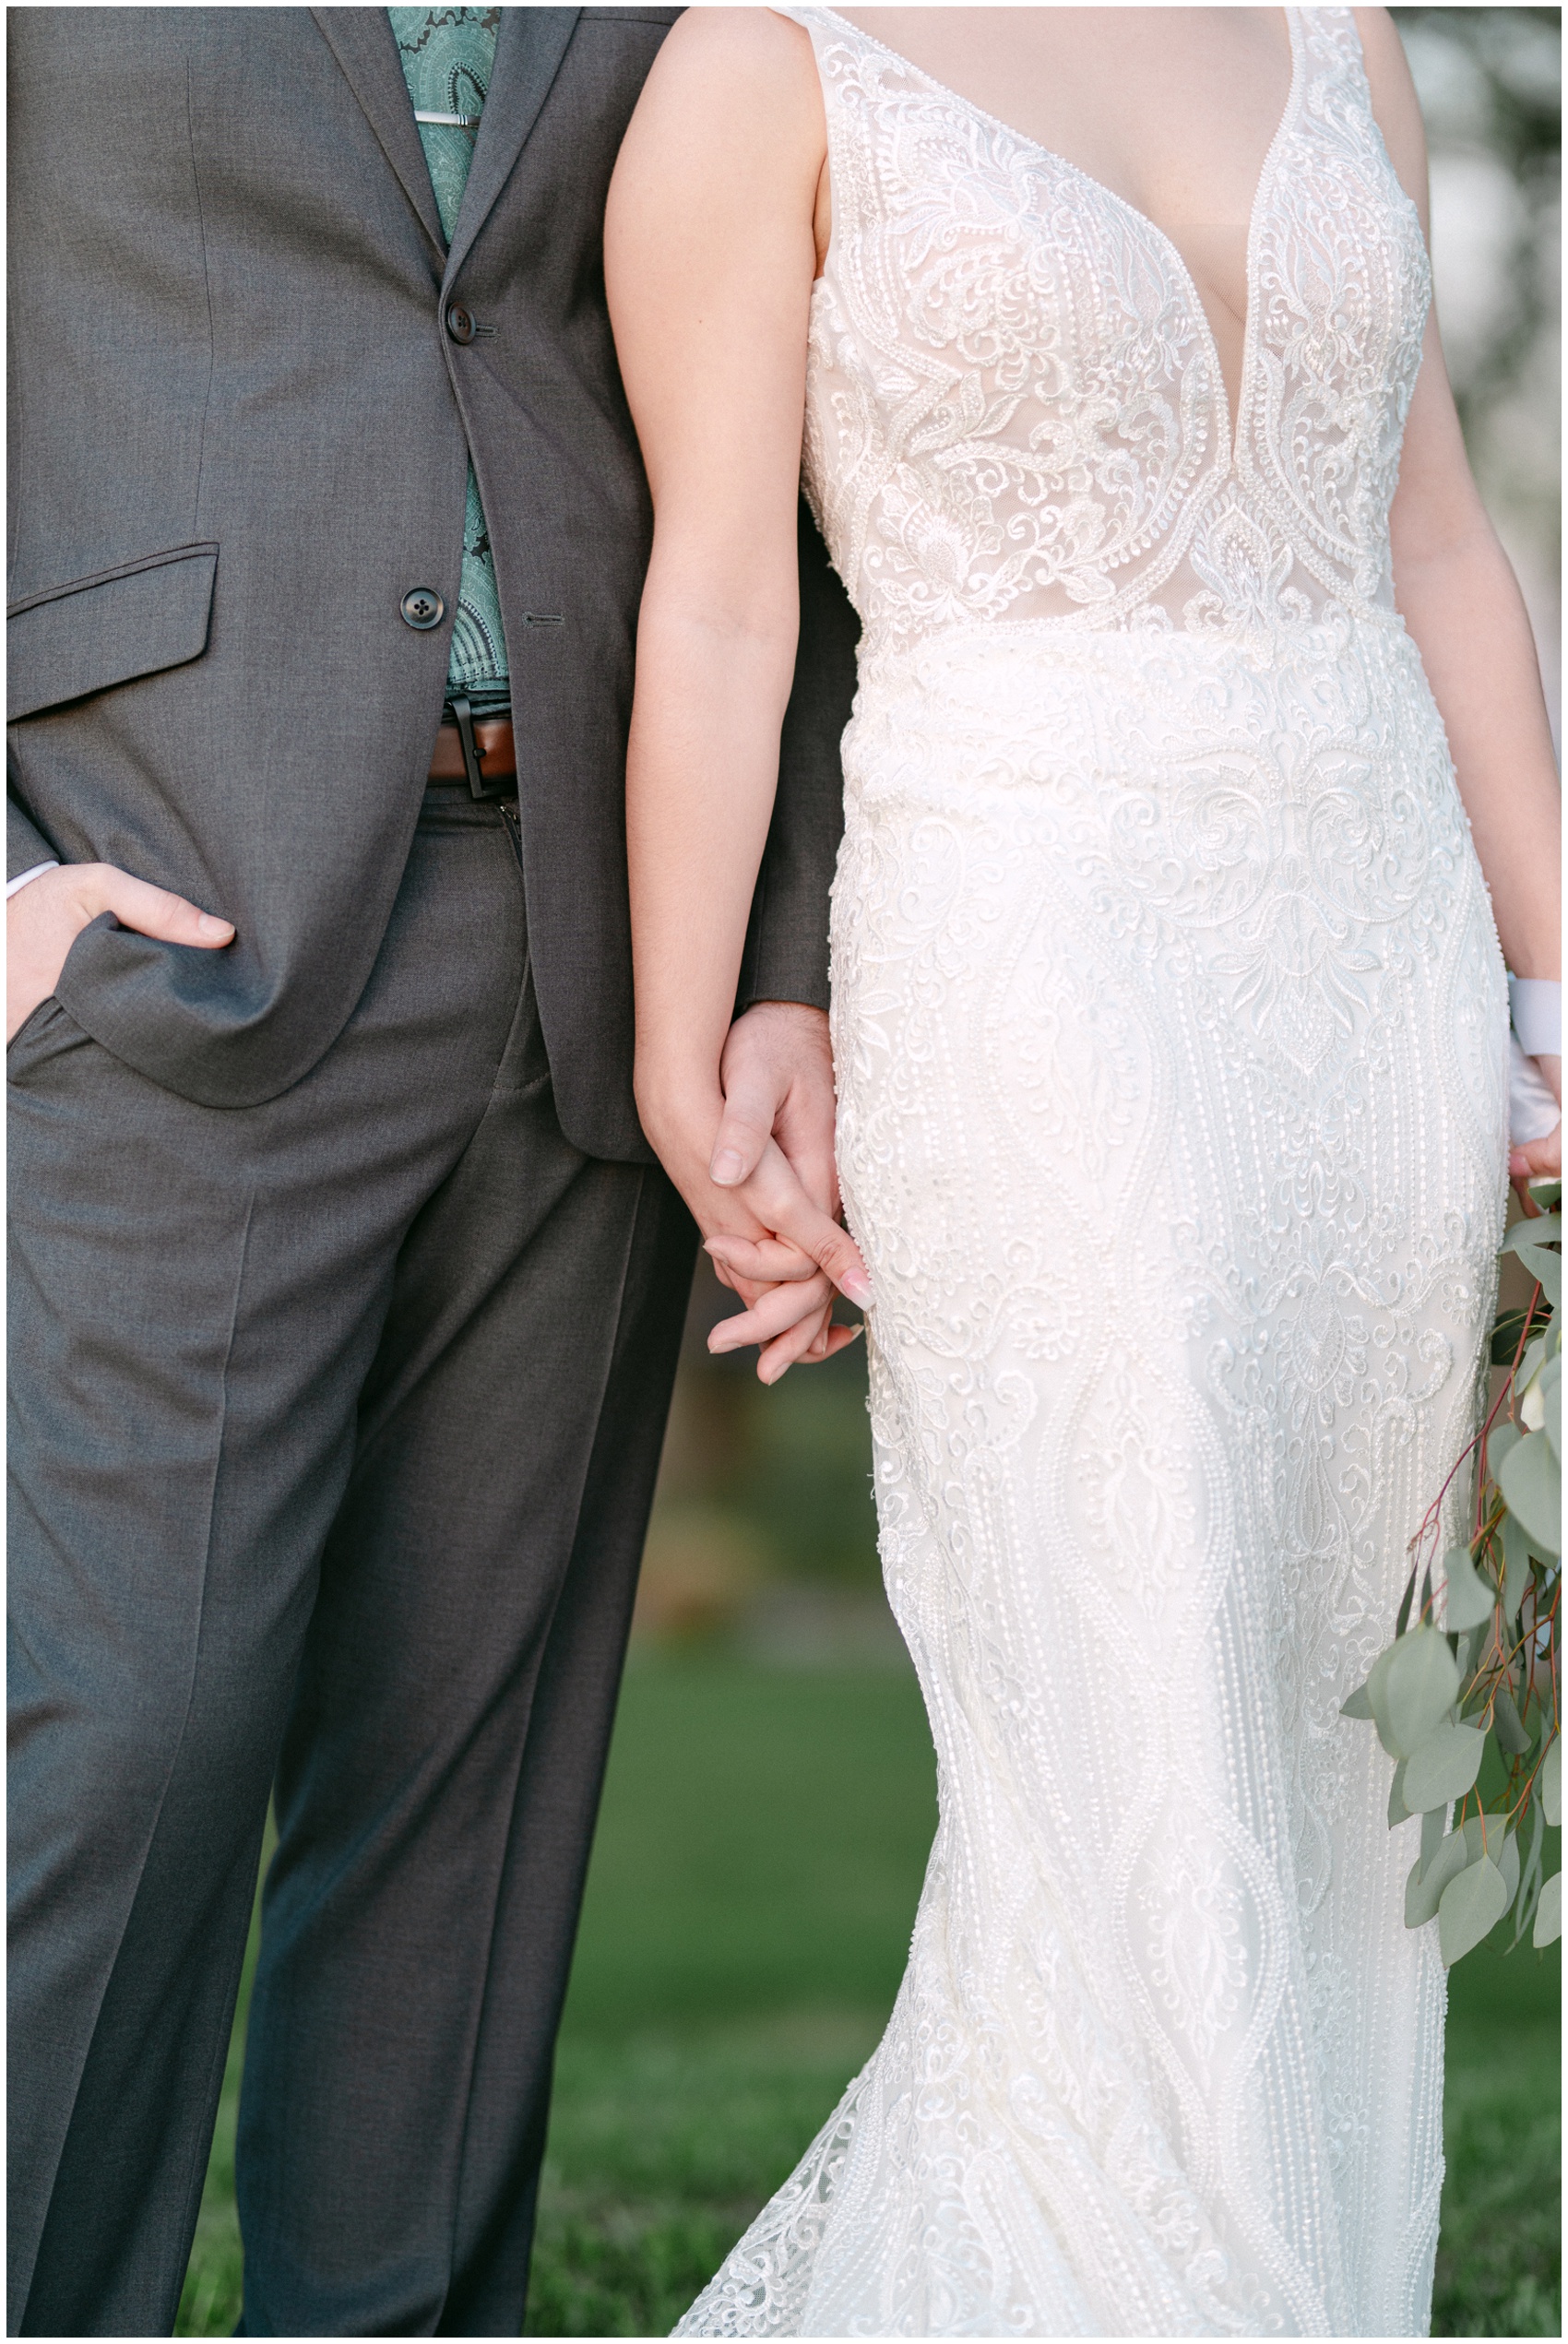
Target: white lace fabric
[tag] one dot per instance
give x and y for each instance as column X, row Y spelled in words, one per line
column 1016, row 409
column 1172, row 1039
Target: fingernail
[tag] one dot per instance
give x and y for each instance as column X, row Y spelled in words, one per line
column 727, row 1168
column 857, row 1285
column 208, row 926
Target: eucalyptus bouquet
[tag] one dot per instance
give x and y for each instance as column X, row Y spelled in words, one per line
column 1489, row 1674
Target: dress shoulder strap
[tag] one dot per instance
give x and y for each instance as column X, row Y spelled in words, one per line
column 1331, row 44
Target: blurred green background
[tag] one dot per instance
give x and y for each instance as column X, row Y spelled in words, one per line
column 770, row 1804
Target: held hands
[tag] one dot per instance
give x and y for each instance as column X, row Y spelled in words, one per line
column 44, row 919
column 753, row 1157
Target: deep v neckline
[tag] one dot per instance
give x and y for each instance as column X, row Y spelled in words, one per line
column 1172, row 251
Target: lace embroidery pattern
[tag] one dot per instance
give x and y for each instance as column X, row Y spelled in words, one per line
column 1015, row 406
column 1171, row 1028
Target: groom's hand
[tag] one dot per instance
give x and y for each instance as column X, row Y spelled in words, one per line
column 44, row 919
column 777, row 1073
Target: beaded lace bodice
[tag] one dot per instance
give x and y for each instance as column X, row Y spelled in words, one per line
column 1016, row 409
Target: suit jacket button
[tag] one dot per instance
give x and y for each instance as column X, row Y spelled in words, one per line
column 460, row 323
column 422, row 608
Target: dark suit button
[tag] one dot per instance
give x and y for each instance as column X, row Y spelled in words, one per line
column 460, row 323
column 422, row 608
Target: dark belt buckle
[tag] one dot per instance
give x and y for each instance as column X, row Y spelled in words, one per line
column 478, row 787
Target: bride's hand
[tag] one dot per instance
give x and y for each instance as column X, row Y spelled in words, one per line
column 788, row 1291
column 1538, row 1158
column 786, row 1276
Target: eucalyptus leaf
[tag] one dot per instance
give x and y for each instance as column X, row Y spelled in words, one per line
column 1515, row 1565
column 1551, row 1393
column 1549, row 1782
column 1529, row 1885
column 1499, row 1440
column 1470, row 1600
column 1490, row 1836
column 1356, row 1705
column 1423, row 1888
column 1531, row 1482
column 1547, row 1230
column 1470, row 1906
column 1537, row 1840
column 1373, row 1689
column 1419, row 1688
column 1547, row 1269
column 1510, row 1864
column 1443, row 1768
column 1546, row 1193
column 1397, row 1811
column 1507, row 1724
column 1434, row 1825
column 1548, row 1913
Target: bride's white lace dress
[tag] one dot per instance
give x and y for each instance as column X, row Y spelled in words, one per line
column 1171, row 1035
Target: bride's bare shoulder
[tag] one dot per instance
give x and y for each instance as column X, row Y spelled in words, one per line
column 734, row 80
column 728, row 56
column 729, row 137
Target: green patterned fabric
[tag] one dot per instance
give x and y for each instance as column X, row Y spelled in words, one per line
column 446, row 55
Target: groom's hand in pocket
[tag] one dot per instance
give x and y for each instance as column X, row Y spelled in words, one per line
column 774, row 1146
column 44, row 919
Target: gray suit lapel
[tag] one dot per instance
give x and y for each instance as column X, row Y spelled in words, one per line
column 361, row 41
column 530, row 45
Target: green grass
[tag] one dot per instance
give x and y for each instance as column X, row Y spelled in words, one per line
column 747, row 1919
column 1498, row 2254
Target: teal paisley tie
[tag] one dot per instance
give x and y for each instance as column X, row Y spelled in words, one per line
column 446, row 56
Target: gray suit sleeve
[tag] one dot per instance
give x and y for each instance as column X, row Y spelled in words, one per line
column 25, row 842
column 785, row 955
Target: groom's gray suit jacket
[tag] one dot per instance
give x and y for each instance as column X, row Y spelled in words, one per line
column 240, row 427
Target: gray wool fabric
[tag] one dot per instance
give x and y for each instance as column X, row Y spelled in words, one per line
column 331, row 1448
column 345, row 1294
column 240, row 436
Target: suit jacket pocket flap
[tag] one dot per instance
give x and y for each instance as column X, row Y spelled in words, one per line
column 93, row 632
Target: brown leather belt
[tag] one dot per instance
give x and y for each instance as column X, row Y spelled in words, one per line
column 493, row 739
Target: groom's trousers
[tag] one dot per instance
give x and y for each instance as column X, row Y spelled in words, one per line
column 335, row 1428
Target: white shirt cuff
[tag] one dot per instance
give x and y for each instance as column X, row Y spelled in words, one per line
column 1536, row 1004
column 1532, row 1110
column 36, row 872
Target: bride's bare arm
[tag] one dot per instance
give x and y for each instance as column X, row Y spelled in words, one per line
column 709, row 257
column 1459, row 598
